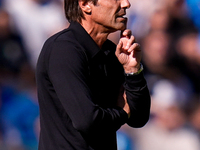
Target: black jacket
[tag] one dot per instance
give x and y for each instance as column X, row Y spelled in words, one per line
column 78, row 87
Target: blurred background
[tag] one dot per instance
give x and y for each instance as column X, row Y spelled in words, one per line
column 169, row 34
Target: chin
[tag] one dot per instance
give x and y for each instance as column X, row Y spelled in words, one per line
column 118, row 27
column 121, row 28
column 123, row 25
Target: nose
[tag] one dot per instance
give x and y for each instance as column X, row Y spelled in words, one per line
column 125, row 4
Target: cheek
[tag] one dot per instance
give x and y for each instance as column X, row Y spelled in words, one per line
column 103, row 16
column 105, row 11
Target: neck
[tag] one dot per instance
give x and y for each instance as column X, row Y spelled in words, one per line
column 96, row 31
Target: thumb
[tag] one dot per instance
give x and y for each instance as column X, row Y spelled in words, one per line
column 126, row 33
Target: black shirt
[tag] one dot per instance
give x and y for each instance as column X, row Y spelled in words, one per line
column 78, row 87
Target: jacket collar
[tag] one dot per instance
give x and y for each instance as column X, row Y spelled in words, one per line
column 84, row 39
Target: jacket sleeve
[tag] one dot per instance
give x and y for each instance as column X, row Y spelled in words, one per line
column 68, row 72
column 138, row 98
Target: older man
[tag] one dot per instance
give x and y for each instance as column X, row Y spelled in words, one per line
column 87, row 86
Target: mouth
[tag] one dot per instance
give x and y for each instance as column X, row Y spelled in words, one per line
column 122, row 16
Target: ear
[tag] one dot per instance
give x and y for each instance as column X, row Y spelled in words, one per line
column 85, row 6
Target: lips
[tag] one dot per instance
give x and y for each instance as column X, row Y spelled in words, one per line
column 122, row 17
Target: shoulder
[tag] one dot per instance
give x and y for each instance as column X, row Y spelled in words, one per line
column 62, row 47
column 61, row 43
column 64, row 37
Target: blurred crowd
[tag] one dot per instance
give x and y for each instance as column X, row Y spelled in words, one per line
column 24, row 26
column 169, row 34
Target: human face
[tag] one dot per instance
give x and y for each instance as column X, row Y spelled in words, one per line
column 109, row 14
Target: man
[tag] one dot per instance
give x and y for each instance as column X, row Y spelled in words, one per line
column 80, row 76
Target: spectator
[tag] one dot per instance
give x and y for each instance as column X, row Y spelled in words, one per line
column 194, row 119
column 35, row 20
column 189, row 53
column 12, row 53
column 20, row 113
column 166, row 130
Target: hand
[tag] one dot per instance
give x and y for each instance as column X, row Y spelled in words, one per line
column 128, row 52
column 122, row 102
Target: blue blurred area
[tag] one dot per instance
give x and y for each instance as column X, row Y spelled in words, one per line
column 194, row 11
column 124, row 141
column 19, row 117
column 19, row 113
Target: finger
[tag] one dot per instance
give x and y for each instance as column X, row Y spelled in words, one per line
column 134, row 47
column 130, row 42
column 126, row 33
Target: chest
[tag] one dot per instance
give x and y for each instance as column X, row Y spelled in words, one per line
column 106, row 78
